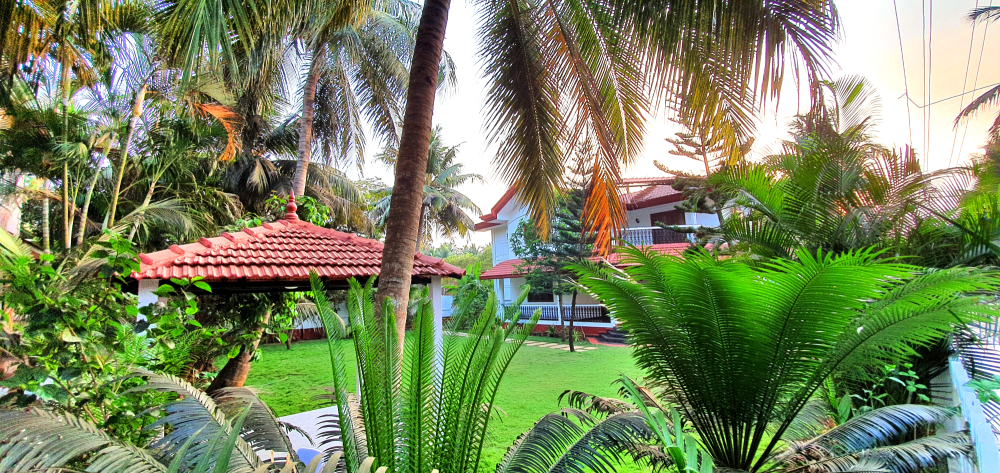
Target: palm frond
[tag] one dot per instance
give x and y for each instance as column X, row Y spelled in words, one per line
column 573, row 441
column 261, row 429
column 34, row 439
column 196, row 414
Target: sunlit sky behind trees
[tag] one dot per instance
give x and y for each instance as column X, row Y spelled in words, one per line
column 869, row 46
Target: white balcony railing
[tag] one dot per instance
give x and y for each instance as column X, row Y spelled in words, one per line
column 584, row 312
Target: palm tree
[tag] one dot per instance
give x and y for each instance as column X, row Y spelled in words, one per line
column 832, row 187
column 563, row 73
column 444, row 210
column 992, row 95
column 359, row 55
column 741, row 349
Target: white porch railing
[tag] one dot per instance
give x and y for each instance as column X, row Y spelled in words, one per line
column 584, row 312
column 983, row 439
column 656, row 235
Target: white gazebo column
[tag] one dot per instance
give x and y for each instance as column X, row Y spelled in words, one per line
column 147, row 293
column 438, row 319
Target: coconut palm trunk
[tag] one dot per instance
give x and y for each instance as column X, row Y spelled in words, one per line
column 132, row 124
column 403, row 221
column 306, row 123
column 86, row 206
column 145, row 203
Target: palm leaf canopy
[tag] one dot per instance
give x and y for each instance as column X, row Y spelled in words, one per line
column 742, row 350
column 566, row 73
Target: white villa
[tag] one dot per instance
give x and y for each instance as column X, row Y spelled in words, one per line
column 649, row 201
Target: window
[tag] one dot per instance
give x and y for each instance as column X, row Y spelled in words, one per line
column 670, row 217
column 541, row 297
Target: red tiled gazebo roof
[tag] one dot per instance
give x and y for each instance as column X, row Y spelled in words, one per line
column 509, row 269
column 278, row 255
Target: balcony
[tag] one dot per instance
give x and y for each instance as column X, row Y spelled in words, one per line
column 640, row 236
column 593, row 313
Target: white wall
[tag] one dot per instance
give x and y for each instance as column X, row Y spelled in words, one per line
column 643, row 216
column 517, row 283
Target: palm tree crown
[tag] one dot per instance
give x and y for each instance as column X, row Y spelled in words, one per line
column 444, row 210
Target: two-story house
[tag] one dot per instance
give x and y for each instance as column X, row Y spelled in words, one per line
column 649, row 202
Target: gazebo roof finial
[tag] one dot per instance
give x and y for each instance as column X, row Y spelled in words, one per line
column 290, row 208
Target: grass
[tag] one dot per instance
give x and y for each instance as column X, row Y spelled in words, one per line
column 529, row 390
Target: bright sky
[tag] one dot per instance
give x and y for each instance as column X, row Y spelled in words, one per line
column 870, row 47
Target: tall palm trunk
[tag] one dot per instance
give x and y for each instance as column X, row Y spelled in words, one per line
column 411, row 164
column 132, row 123
column 145, row 202
column 86, row 205
column 306, row 124
column 420, row 227
column 64, row 84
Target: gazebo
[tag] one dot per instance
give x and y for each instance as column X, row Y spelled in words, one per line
column 277, row 257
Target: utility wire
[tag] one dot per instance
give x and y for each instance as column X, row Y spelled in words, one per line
column 906, row 86
column 930, row 76
column 986, row 30
column 965, row 82
column 948, row 98
column 923, row 83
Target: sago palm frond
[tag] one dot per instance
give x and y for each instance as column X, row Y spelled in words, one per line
column 261, row 428
column 573, row 441
column 195, row 417
column 706, row 329
column 34, row 439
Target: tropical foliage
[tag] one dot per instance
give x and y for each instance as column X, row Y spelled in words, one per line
column 707, row 329
column 445, row 211
column 431, row 408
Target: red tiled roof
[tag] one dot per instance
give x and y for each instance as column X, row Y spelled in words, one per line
column 282, row 251
column 509, row 269
column 651, row 196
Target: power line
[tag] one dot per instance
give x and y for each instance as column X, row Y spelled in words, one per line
column 986, row 30
column 930, row 76
column 948, row 98
column 906, row 86
column 965, row 81
column 923, row 83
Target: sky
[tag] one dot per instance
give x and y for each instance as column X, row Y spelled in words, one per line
column 869, row 46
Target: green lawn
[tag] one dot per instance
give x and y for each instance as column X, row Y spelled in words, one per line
column 529, row 390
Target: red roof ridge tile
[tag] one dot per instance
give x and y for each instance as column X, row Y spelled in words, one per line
column 267, row 252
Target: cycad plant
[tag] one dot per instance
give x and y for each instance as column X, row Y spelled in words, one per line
column 431, row 408
column 742, row 350
column 597, row 433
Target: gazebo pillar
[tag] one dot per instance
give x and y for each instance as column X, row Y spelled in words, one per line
column 147, row 294
column 438, row 312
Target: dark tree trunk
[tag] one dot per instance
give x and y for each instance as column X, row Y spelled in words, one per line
column 288, row 339
column 234, row 374
column 306, row 124
column 572, row 317
column 411, row 164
